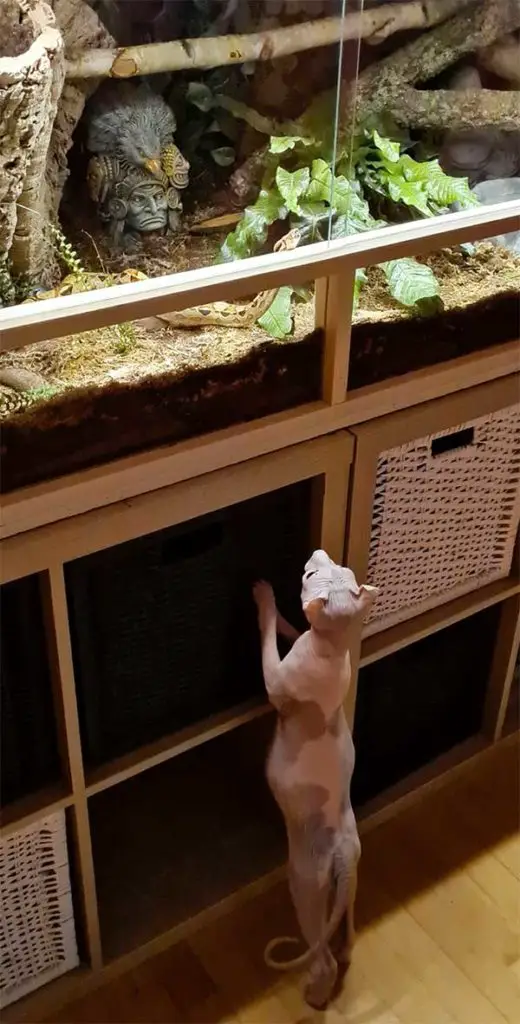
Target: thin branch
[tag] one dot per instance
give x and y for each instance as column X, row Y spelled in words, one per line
column 373, row 25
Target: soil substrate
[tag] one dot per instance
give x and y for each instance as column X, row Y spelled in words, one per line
column 121, row 391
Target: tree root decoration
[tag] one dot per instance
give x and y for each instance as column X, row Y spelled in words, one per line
column 389, row 86
column 373, row 25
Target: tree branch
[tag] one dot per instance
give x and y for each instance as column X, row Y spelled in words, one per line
column 388, row 85
column 440, row 109
column 373, row 25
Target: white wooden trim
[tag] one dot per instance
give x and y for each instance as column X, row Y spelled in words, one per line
column 54, row 318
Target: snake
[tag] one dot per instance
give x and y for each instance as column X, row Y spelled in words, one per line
column 226, row 314
column 216, row 314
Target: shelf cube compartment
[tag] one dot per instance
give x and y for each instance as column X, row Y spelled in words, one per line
column 164, row 627
column 420, row 702
column 37, row 931
column 444, row 503
column 207, row 826
column 29, row 755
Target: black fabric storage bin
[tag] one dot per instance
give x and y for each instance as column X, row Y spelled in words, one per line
column 164, row 627
column 416, row 704
column 29, row 758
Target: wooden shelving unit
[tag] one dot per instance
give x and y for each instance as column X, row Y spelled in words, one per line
column 181, row 827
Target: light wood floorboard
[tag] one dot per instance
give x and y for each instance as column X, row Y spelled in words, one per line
column 438, row 919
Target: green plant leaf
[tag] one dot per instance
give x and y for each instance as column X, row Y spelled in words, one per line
column 320, row 171
column 412, row 283
column 277, row 320
column 410, row 193
column 317, row 192
column 389, row 149
column 313, row 221
column 281, row 143
column 224, row 156
column 359, row 280
column 200, row 95
column 292, row 185
column 251, row 231
column 341, row 194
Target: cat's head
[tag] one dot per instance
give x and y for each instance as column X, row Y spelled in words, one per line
column 331, row 596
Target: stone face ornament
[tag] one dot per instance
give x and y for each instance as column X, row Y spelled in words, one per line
column 131, row 201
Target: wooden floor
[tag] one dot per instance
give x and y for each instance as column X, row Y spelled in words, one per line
column 439, row 923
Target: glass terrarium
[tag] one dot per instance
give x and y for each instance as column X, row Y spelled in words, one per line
column 155, row 137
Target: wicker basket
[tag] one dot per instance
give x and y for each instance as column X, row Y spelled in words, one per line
column 37, row 934
column 445, row 516
column 164, row 627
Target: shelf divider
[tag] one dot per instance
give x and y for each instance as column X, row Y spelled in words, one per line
column 60, row 656
column 502, row 668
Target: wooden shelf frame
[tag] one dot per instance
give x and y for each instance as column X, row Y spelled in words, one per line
column 325, row 461
column 49, row 524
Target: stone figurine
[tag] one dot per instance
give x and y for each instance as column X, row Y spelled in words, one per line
column 136, row 171
column 310, row 765
column 132, row 202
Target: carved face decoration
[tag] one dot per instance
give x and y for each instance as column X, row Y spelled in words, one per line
column 331, row 594
column 147, row 207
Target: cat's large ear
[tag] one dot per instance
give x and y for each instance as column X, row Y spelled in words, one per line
column 367, row 596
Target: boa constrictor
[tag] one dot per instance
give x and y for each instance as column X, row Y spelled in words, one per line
column 218, row 314
column 225, row 314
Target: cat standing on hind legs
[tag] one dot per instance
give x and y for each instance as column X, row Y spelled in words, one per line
column 310, row 765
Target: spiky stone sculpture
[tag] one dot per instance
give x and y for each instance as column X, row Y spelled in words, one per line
column 131, row 123
column 136, row 165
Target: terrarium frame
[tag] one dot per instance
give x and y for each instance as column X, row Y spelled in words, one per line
column 333, row 266
column 51, row 523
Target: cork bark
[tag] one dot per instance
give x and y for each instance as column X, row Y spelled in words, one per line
column 38, row 115
column 30, row 84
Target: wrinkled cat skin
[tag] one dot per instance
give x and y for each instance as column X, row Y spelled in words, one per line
column 310, row 765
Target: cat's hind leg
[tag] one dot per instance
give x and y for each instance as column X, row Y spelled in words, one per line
column 346, row 859
column 310, row 873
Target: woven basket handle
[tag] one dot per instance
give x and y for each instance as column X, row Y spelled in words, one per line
column 451, row 442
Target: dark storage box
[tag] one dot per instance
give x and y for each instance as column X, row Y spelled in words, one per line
column 416, row 704
column 29, row 750
column 164, row 627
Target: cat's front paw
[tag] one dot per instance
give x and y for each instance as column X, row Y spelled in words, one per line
column 263, row 595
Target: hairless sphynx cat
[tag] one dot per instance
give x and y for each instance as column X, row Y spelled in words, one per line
column 310, row 765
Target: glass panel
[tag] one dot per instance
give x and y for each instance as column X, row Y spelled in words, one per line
column 473, row 306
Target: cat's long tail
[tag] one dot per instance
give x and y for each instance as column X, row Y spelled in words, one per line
column 343, row 878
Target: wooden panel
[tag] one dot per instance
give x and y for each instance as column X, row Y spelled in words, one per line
column 104, row 527
column 31, row 808
column 162, row 750
column 338, row 327
column 502, row 668
column 61, row 663
column 34, row 506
